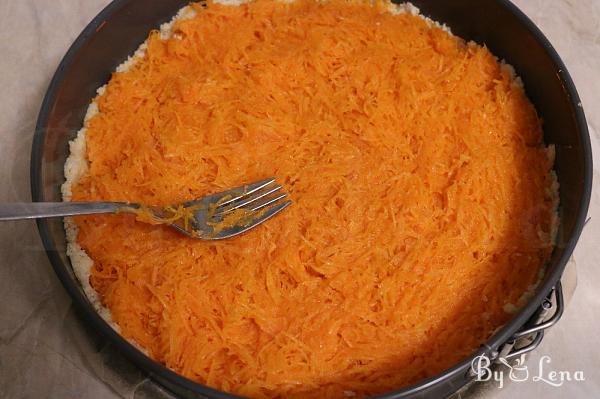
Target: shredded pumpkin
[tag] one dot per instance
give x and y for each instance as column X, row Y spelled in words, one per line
column 420, row 187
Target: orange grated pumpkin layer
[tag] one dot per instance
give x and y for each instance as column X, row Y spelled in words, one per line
column 420, row 182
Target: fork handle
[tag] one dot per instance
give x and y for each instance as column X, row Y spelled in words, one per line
column 35, row 210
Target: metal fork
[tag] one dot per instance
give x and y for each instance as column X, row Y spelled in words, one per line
column 217, row 216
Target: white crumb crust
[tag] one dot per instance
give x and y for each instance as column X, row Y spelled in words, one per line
column 76, row 164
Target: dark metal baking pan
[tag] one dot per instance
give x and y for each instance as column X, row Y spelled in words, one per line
column 122, row 26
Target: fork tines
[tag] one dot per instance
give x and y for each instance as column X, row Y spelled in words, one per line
column 253, row 197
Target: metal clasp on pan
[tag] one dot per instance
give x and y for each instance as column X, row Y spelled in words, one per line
column 532, row 333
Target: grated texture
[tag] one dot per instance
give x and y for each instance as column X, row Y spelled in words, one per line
column 423, row 197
